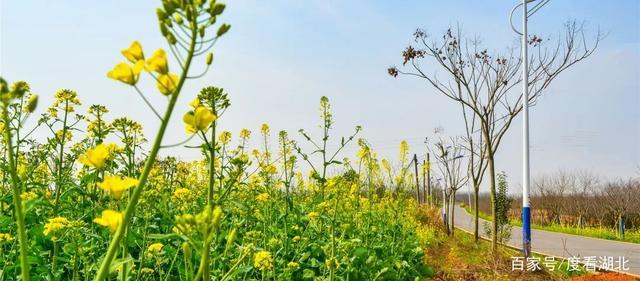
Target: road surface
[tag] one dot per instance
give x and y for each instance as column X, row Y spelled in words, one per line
column 564, row 245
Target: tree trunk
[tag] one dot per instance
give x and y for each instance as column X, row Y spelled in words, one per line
column 453, row 207
column 492, row 176
column 621, row 225
column 494, row 223
column 476, row 216
column 445, row 208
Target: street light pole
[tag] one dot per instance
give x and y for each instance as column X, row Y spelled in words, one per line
column 526, row 207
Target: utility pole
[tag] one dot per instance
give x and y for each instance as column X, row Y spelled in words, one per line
column 415, row 165
column 526, row 211
column 526, row 206
column 424, row 182
column 428, row 167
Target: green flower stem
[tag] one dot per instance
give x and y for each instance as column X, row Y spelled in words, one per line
column 17, row 190
column 137, row 192
column 203, row 272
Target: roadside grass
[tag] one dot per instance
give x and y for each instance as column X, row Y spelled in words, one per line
column 594, row 232
column 461, row 258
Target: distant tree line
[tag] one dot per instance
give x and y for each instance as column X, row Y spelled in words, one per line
column 578, row 199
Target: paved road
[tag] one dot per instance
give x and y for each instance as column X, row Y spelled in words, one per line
column 551, row 243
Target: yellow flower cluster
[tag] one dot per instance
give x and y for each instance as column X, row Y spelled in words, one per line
column 54, row 225
column 245, row 134
column 263, row 261
column 155, row 248
column 270, row 169
column 97, row 156
column 263, row 197
column 293, row 265
column 146, row 271
column 225, row 137
column 5, row 237
column 129, row 74
column 116, row 185
column 181, row 194
column 313, row 215
column 264, row 129
column 110, row 219
column 126, row 73
column 198, row 119
column 27, row 196
column 67, row 98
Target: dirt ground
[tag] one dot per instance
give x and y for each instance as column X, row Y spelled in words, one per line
column 608, row 276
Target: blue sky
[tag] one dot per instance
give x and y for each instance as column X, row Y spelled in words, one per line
column 281, row 56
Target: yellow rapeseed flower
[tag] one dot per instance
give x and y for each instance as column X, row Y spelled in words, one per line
column 181, row 193
column 263, row 261
column 5, row 237
column 54, row 225
column 27, row 196
column 195, row 103
column 198, row 119
column 134, row 52
column 158, row 62
column 146, row 270
column 155, row 248
column 270, row 169
column 126, row 73
column 245, row 134
column 116, row 185
column 313, row 215
column 110, row 219
column 264, row 129
column 293, row 265
column 263, row 197
column 95, row 157
column 225, row 137
column 167, row 83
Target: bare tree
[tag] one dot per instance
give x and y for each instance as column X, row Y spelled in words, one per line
column 552, row 191
column 449, row 159
column 484, row 83
column 582, row 195
column 476, row 164
column 619, row 200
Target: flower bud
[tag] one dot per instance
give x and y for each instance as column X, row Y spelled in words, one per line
column 231, row 238
column 4, row 87
column 186, row 250
column 171, row 39
column 217, row 9
column 189, row 12
column 163, row 29
column 217, row 217
column 178, row 19
column 209, row 58
column 162, row 15
column 201, row 31
column 169, row 7
column 32, row 104
column 223, row 29
column 19, row 88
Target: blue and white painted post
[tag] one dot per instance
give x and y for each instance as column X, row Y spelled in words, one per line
column 526, row 207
